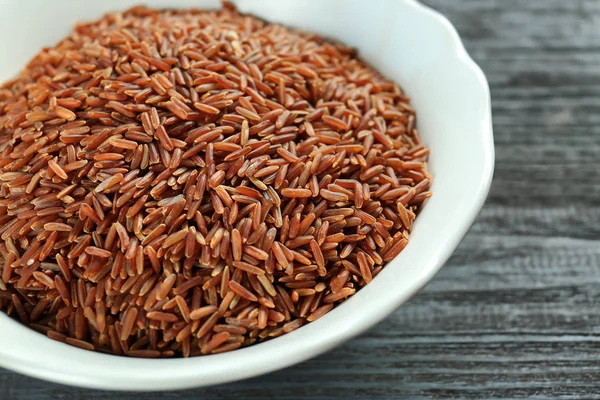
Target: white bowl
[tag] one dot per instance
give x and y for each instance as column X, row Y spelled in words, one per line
column 413, row 45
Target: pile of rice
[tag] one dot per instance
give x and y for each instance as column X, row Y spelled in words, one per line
column 178, row 183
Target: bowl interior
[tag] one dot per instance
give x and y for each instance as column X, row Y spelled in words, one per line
column 405, row 41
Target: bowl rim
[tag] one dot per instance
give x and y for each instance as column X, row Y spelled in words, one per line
column 12, row 357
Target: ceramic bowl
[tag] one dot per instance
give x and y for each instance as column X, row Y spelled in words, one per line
column 410, row 43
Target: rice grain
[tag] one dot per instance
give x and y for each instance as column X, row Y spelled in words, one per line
column 186, row 182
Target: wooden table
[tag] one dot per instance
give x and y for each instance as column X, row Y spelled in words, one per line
column 515, row 311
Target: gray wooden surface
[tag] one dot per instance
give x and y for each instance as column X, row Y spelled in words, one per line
column 515, row 311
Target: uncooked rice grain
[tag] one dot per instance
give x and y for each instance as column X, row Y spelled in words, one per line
column 179, row 183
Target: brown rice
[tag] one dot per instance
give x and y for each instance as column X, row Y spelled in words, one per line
column 178, row 183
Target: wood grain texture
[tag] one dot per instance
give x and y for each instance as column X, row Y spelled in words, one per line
column 515, row 311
